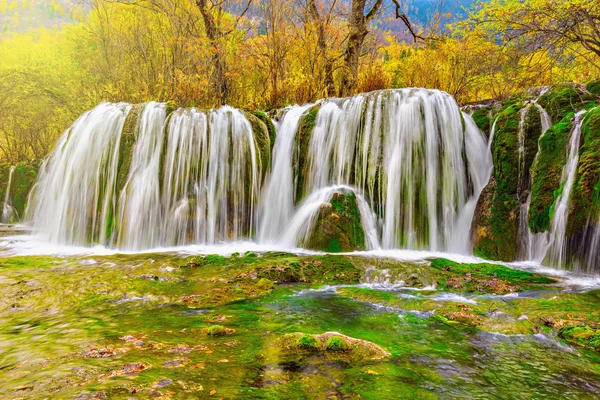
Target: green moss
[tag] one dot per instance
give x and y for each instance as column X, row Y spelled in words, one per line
column 265, row 284
column 500, row 239
column 217, row 330
column 585, row 195
column 338, row 226
column 308, row 342
column 487, row 271
column 171, row 106
column 305, row 130
column 336, row 343
column 581, row 335
column 269, row 124
column 546, row 174
column 263, row 139
column 483, row 120
column 594, row 87
column 564, row 99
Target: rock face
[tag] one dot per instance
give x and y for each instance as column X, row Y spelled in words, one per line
column 337, row 227
column 528, row 173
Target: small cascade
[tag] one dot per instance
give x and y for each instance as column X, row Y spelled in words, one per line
column 537, row 243
column 8, row 211
column 75, row 197
column 531, row 246
column 299, row 227
column 279, row 191
column 480, row 177
column 546, row 119
column 139, row 202
column 561, row 209
column 524, row 183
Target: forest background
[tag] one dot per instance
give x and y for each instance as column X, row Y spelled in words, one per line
column 59, row 58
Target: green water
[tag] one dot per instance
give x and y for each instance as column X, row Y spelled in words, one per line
column 136, row 327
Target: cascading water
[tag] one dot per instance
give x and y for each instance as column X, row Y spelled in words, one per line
column 531, row 246
column 75, row 196
column 299, row 227
column 279, row 192
column 407, row 152
column 212, row 177
column 8, row 211
column 537, row 243
column 198, row 183
column 139, row 202
column 415, row 163
column 558, row 235
column 474, row 141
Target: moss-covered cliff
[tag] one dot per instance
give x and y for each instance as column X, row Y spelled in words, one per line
column 537, row 175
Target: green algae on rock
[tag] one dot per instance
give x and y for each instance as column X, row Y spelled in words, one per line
column 338, row 225
column 100, row 325
column 499, row 230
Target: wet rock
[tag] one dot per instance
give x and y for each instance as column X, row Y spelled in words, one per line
column 338, row 226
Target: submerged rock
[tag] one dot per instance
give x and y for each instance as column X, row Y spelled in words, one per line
column 338, row 225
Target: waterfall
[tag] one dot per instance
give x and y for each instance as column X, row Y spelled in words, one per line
column 405, row 150
column 193, row 178
column 212, row 178
column 75, row 197
column 139, row 202
column 8, row 211
column 561, row 209
column 279, row 192
column 143, row 179
column 480, row 175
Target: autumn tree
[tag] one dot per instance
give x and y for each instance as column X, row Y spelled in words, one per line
column 555, row 25
column 358, row 22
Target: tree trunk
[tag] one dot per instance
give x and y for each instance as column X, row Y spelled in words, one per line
column 357, row 26
column 322, row 43
column 219, row 80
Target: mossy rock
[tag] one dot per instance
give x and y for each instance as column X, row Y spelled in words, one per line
column 128, row 139
column 333, row 346
column 495, row 233
column 581, row 335
column 268, row 123
column 546, row 174
column 585, row 196
column 327, row 269
column 564, row 99
column 486, row 278
column 338, row 226
column 219, row 330
column 594, row 87
column 263, row 138
column 306, row 127
column 483, row 119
